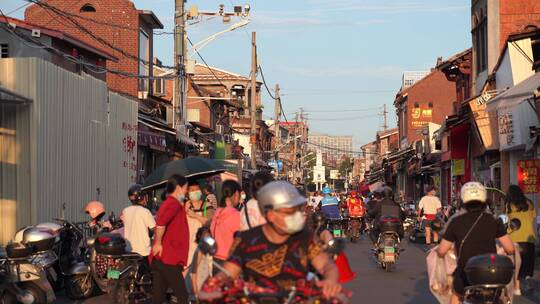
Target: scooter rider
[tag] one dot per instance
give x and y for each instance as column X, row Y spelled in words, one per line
column 330, row 205
column 355, row 205
column 138, row 221
column 277, row 254
column 387, row 207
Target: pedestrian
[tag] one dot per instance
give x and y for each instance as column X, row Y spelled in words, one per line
column 428, row 208
column 197, row 216
column 210, row 200
column 472, row 233
column 138, row 223
column 171, row 244
column 251, row 214
column 226, row 221
column 518, row 207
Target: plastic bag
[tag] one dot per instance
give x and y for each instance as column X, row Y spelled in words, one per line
column 440, row 279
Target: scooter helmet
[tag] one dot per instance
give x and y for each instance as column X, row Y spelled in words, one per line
column 473, row 192
column 387, row 192
column 278, row 195
column 135, row 194
column 95, row 209
column 354, row 194
column 326, row 190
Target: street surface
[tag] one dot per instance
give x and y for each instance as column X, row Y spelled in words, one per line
column 406, row 284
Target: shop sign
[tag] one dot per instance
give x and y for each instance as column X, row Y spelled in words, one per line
column 506, row 129
column 485, row 123
column 319, row 174
column 421, row 117
column 528, row 172
column 458, row 167
column 334, row 174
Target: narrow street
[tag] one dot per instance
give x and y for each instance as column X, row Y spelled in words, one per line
column 406, row 284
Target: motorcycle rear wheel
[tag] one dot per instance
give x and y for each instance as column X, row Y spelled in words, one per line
column 121, row 292
column 39, row 295
column 8, row 298
column 388, row 267
column 80, row 286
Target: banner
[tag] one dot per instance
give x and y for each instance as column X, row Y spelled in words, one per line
column 458, row 167
column 527, row 172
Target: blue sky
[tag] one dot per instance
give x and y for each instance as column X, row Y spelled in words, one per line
column 327, row 55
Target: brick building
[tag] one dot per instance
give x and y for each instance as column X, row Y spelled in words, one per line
column 428, row 100
column 126, row 32
column 107, row 23
column 492, row 21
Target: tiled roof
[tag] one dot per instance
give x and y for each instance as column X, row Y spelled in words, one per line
column 202, row 72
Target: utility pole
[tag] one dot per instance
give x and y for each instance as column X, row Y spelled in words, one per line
column 179, row 58
column 253, row 137
column 277, row 115
column 385, row 125
column 295, row 147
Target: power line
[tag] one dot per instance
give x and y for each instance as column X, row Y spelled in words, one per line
column 33, row 43
column 339, row 150
column 344, row 119
column 85, row 30
column 265, row 85
column 18, row 8
column 343, row 110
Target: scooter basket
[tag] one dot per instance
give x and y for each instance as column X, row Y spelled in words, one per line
column 489, row 269
column 110, row 244
column 18, row 250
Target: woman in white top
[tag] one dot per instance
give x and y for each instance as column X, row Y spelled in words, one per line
column 428, row 208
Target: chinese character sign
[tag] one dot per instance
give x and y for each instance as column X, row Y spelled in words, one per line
column 527, row 172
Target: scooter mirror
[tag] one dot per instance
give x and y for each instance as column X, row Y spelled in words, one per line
column 515, row 224
column 208, row 245
column 335, row 246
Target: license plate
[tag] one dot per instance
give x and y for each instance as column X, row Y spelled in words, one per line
column 391, row 250
column 337, row 232
column 113, row 274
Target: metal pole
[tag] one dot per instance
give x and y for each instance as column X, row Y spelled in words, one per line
column 253, row 137
column 277, row 114
column 179, row 51
column 295, row 160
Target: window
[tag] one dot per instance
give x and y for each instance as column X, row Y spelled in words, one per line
column 144, row 57
column 480, row 42
column 4, row 50
column 88, row 8
column 159, row 87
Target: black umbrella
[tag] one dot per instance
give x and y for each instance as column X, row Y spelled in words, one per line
column 191, row 167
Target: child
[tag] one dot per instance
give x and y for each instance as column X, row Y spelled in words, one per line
column 201, row 266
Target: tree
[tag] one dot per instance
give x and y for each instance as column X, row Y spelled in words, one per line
column 345, row 166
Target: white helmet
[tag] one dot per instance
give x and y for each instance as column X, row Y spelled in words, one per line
column 279, row 194
column 473, row 191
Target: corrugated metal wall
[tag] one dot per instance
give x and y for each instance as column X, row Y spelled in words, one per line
column 82, row 140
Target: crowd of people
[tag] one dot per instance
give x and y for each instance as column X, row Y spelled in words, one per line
column 270, row 225
column 276, row 235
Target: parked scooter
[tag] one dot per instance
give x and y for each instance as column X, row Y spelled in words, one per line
column 87, row 276
column 127, row 273
column 22, row 280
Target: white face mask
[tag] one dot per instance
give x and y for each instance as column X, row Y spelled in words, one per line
column 295, row 222
column 242, row 197
column 181, row 198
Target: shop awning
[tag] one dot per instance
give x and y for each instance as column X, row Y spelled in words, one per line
column 516, row 94
column 9, row 97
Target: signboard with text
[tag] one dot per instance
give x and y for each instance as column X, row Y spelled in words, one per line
column 458, row 167
column 528, row 175
column 334, row 174
column 421, row 117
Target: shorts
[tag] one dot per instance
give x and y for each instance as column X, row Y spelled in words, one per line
column 459, row 282
column 426, row 223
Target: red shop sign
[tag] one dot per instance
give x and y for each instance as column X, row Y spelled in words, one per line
column 528, row 172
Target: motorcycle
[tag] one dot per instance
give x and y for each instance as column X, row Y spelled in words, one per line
column 21, row 279
column 356, row 227
column 488, row 274
column 388, row 249
column 239, row 291
column 129, row 278
column 84, row 278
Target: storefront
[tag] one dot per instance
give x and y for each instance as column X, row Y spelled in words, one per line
column 516, row 115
